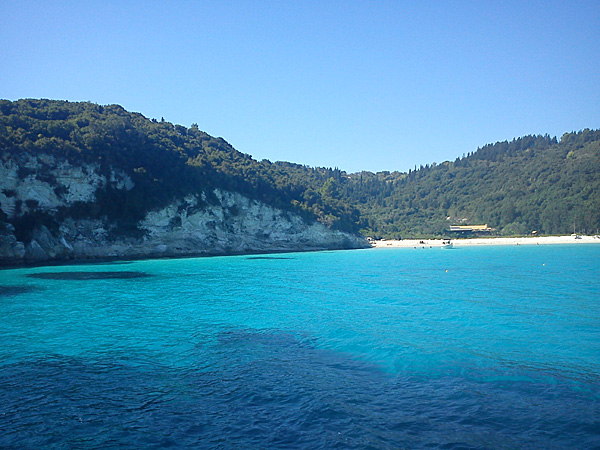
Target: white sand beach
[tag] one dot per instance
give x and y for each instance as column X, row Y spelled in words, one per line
column 537, row 240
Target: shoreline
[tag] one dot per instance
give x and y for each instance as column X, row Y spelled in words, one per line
column 469, row 242
column 391, row 243
column 124, row 259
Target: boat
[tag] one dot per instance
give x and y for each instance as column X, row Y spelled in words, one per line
column 447, row 244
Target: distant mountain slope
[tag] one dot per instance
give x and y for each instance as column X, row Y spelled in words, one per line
column 531, row 183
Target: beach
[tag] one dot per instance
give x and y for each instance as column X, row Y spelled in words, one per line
column 465, row 242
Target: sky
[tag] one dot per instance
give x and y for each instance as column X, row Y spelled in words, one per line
column 358, row 85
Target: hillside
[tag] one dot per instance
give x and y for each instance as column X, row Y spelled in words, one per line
column 80, row 180
column 67, row 163
column 531, row 183
column 164, row 160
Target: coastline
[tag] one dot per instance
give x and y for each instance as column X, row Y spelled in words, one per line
column 391, row 243
column 125, row 259
column 468, row 242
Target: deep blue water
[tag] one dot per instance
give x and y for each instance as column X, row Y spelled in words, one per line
column 471, row 348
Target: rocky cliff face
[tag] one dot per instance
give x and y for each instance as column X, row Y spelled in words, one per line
column 230, row 223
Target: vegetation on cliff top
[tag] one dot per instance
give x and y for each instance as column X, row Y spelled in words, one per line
column 531, row 183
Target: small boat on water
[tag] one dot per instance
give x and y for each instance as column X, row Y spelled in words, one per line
column 447, row 244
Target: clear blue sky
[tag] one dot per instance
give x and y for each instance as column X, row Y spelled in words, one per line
column 370, row 85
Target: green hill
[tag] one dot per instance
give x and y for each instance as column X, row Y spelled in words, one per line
column 165, row 161
column 531, row 183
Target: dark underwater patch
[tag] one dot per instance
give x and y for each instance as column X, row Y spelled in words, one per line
column 8, row 291
column 268, row 257
column 120, row 275
column 275, row 390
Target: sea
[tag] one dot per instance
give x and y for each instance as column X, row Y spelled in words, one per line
column 466, row 348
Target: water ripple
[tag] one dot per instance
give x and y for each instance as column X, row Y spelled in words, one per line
column 271, row 390
column 108, row 275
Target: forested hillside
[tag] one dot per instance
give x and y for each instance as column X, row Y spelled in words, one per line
column 531, row 183
column 164, row 160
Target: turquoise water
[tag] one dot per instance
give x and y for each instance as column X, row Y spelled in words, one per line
column 390, row 348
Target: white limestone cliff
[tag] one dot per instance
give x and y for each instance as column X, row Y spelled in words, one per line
column 188, row 226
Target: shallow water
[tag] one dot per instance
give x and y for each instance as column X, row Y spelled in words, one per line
column 493, row 348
